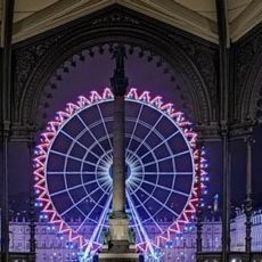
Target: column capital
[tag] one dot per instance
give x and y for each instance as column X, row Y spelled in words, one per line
column 249, row 139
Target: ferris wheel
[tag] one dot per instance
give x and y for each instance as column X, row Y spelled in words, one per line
column 73, row 169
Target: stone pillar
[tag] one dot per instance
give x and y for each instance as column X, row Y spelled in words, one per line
column 5, row 118
column 248, row 200
column 4, row 202
column 32, row 215
column 199, row 222
column 119, row 220
column 226, row 197
column 119, row 248
column 119, row 158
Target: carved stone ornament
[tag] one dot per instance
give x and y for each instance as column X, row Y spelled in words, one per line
column 248, row 74
column 194, row 59
column 205, row 57
column 115, row 18
column 26, row 59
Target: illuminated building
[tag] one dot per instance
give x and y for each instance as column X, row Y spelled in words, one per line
column 52, row 247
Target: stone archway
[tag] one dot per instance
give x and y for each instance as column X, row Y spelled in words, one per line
column 38, row 59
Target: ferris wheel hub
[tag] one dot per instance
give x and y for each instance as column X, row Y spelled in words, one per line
column 128, row 171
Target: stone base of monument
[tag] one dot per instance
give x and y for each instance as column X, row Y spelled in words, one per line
column 119, row 229
column 119, row 248
column 119, row 253
column 118, row 258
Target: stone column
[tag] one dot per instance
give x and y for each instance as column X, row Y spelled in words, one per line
column 119, row 248
column 119, row 158
column 4, row 203
column 199, row 222
column 5, row 118
column 226, row 197
column 32, row 215
column 119, row 221
column 248, row 200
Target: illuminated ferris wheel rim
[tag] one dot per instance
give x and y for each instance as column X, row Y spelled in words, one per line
column 129, row 98
column 63, row 117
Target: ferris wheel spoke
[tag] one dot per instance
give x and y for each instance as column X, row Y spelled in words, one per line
column 136, row 222
column 109, row 156
column 134, row 184
column 97, row 232
column 104, row 165
column 141, row 181
column 104, row 181
column 160, row 144
column 73, row 206
column 139, row 223
column 159, row 202
column 72, row 157
column 136, row 165
column 75, row 141
column 91, row 133
column 104, row 124
column 168, row 157
column 70, row 173
column 71, row 188
column 168, row 189
column 107, row 183
column 104, row 184
column 144, row 124
column 81, row 200
column 107, row 159
column 93, row 153
column 102, row 172
column 139, row 140
column 135, row 126
column 103, row 176
column 146, row 210
column 130, row 157
column 90, row 212
column 150, row 131
column 164, row 173
column 133, row 160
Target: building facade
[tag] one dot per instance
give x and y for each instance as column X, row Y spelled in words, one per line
column 54, row 247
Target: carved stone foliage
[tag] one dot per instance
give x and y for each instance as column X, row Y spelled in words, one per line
column 26, row 60
column 37, row 60
column 205, row 58
column 114, row 18
column 248, row 74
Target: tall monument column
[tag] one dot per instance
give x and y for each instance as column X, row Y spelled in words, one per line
column 119, row 83
column 119, row 248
